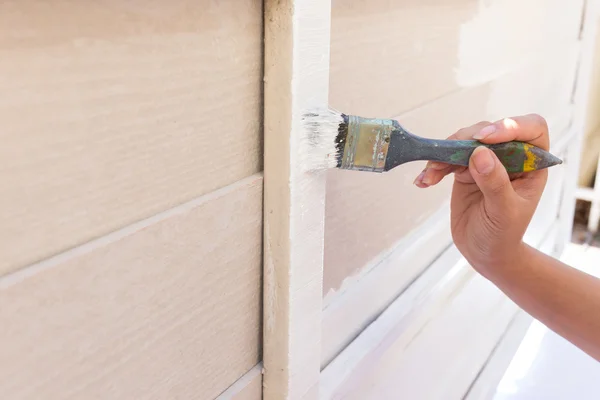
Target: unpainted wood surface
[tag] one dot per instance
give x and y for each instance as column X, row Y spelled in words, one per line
column 366, row 213
column 113, row 111
column 167, row 308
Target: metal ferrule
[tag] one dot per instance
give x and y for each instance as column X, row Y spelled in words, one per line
column 367, row 143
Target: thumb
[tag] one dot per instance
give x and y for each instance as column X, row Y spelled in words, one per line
column 492, row 178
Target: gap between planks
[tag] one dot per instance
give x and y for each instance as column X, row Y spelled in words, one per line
column 237, row 391
column 56, row 260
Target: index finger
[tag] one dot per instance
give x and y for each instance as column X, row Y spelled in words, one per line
column 530, row 128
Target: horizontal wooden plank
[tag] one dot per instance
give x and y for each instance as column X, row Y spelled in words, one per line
column 484, row 387
column 405, row 316
column 390, row 57
column 347, row 313
column 367, row 213
column 166, row 308
column 442, row 328
column 446, row 342
column 120, row 110
column 448, row 350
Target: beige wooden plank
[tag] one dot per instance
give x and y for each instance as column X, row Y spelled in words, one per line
column 297, row 39
column 166, row 308
column 367, row 213
column 113, row 111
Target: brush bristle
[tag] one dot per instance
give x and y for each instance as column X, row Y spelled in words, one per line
column 323, row 139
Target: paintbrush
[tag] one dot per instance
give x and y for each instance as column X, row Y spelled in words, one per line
column 337, row 140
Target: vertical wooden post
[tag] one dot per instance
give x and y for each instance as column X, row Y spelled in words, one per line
column 297, row 38
column 580, row 103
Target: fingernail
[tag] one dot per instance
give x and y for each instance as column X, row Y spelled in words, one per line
column 483, row 160
column 426, row 178
column 419, row 180
column 485, row 132
column 437, row 165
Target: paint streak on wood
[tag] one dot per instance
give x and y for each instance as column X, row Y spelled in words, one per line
column 118, row 110
column 166, row 308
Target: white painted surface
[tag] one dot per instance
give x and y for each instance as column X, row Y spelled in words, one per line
column 296, row 79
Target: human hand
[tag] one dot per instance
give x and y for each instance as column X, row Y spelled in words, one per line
column 490, row 209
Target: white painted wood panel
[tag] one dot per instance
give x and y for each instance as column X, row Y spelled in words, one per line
column 169, row 307
column 113, row 111
column 297, row 39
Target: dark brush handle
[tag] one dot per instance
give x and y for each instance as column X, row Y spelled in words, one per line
column 515, row 156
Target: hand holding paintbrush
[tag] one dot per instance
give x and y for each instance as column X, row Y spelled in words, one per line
column 490, row 208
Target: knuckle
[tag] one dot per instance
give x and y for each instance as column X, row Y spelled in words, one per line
column 468, row 131
column 539, row 121
column 498, row 185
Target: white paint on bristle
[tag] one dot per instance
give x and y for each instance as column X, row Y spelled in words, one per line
column 317, row 150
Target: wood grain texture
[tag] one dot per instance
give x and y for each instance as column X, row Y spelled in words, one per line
column 296, row 79
column 167, row 308
column 367, row 213
column 114, row 111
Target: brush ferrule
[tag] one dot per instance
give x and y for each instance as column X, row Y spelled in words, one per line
column 367, row 143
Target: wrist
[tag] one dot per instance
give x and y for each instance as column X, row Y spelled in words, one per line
column 508, row 266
